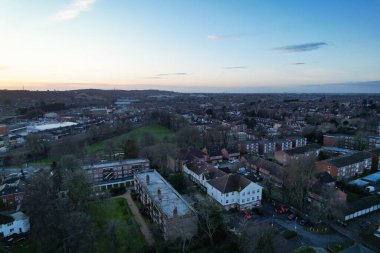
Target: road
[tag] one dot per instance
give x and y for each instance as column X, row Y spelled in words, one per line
column 29, row 170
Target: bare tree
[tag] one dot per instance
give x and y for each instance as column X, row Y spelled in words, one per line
column 297, row 181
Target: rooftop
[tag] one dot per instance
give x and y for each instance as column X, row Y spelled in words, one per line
column 302, row 150
column 52, row 126
column 168, row 199
column 114, row 163
column 375, row 177
column 353, row 158
column 230, row 183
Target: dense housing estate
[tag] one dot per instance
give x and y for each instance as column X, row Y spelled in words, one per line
column 173, row 215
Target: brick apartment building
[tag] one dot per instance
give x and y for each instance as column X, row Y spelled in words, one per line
column 298, row 141
column 267, row 147
column 285, row 156
column 347, row 166
column 249, row 147
column 351, row 142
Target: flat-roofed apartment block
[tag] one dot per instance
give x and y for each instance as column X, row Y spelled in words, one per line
column 115, row 172
column 173, row 215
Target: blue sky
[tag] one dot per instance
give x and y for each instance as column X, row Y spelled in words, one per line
column 187, row 45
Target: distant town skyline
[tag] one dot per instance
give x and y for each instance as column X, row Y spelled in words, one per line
column 191, row 46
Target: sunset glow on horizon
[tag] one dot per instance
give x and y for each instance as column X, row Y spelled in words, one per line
column 186, row 45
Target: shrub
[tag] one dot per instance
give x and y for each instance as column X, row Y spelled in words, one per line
column 289, row 234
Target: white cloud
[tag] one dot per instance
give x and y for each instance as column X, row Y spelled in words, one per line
column 214, row 37
column 74, row 9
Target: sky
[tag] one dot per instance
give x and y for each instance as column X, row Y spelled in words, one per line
column 187, row 45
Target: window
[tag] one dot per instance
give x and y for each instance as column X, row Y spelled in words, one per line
column 253, row 198
column 243, row 193
column 11, row 230
column 257, row 197
column 258, row 190
column 248, row 193
column 227, row 201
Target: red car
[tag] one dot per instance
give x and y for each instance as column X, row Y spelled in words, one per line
column 281, row 209
column 246, row 215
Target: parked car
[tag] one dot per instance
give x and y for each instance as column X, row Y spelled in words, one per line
column 341, row 223
column 281, row 209
column 377, row 233
column 291, row 216
column 246, row 215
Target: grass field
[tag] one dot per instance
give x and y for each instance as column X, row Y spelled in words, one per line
column 159, row 132
column 43, row 162
column 25, row 247
column 128, row 234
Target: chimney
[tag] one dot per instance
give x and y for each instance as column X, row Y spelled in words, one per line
column 175, row 212
column 159, row 193
column 147, row 179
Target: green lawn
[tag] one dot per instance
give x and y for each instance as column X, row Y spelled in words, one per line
column 159, row 132
column 128, row 234
column 338, row 246
column 25, row 247
column 304, row 249
column 43, row 162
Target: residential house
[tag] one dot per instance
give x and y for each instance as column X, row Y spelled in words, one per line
column 14, row 223
column 235, row 191
column 347, row 166
column 285, row 156
column 11, row 194
column 268, row 170
column 323, row 189
column 200, row 172
column 165, row 206
column 185, row 155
